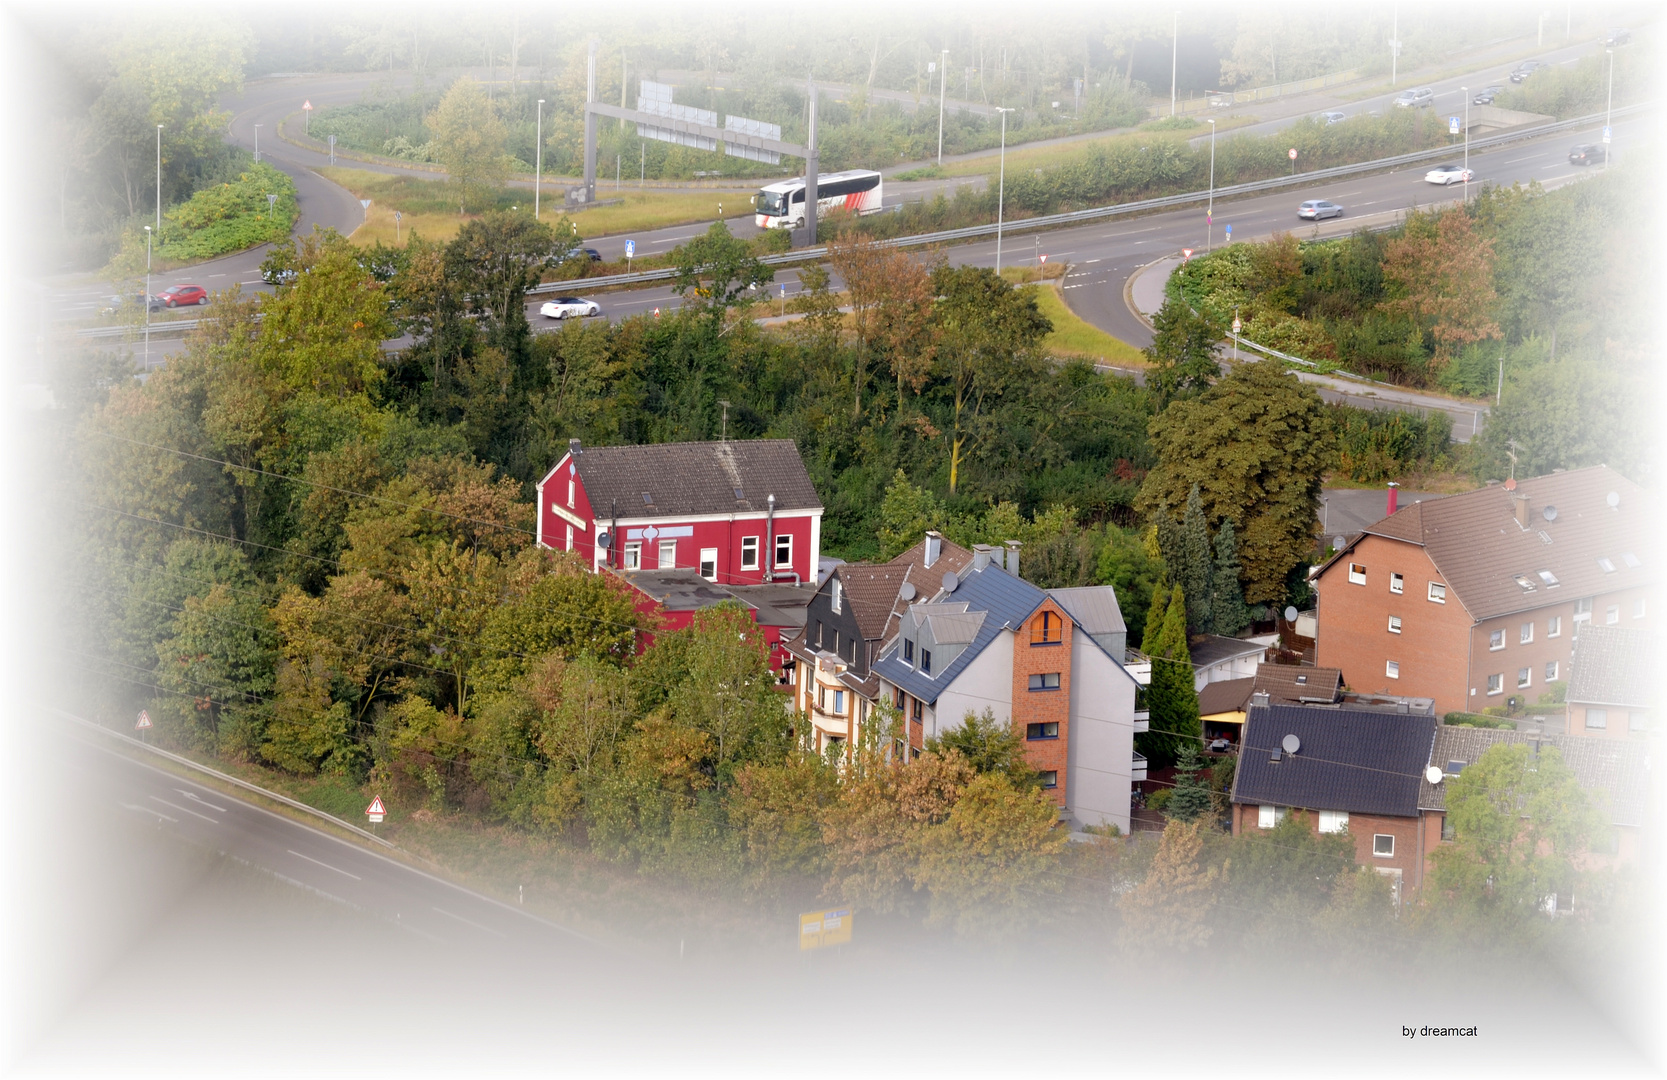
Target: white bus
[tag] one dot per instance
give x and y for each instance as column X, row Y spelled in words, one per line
column 782, row 206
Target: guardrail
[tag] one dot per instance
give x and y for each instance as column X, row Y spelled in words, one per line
column 1073, row 217
column 139, row 331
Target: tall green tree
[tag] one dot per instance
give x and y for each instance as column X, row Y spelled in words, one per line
column 1183, row 351
column 1227, row 606
column 905, row 514
column 1191, row 798
column 1197, row 569
column 1257, row 445
column 1171, row 700
column 492, row 263
column 715, row 272
column 470, row 138
column 988, row 745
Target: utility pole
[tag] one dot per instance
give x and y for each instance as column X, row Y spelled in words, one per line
column 590, row 125
column 538, row 169
column 1609, row 110
column 943, row 78
column 811, row 166
column 1174, row 60
column 1001, row 189
column 148, row 236
column 158, row 179
column 1394, row 43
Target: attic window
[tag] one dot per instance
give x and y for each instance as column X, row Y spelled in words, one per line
column 1606, row 565
column 1631, row 560
column 738, row 496
column 1549, row 578
column 1454, row 768
column 648, row 500
column 1526, row 582
column 1302, row 680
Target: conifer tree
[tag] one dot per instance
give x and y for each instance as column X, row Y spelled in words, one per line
column 1227, row 606
column 1191, row 799
column 1197, row 568
column 1171, row 700
column 1154, row 617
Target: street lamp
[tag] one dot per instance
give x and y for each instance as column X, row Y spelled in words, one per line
column 1465, row 90
column 1001, row 188
column 159, row 178
column 1174, row 59
column 257, row 144
column 943, row 76
column 1609, row 110
column 538, row 174
column 1210, row 213
column 148, row 235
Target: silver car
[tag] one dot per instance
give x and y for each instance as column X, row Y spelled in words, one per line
column 1449, row 174
column 1315, row 209
column 566, row 307
column 1333, row 117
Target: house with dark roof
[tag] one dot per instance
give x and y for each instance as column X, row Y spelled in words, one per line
column 1473, row 599
column 985, row 639
column 737, row 512
column 1614, row 774
column 854, row 612
column 670, row 599
column 1354, row 771
column 1614, row 683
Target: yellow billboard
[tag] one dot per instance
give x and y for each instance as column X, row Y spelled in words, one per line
column 819, row 929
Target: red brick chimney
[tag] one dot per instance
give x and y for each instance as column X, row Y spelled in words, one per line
column 1393, row 491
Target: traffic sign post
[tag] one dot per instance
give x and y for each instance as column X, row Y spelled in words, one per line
column 1229, row 234
column 306, row 118
column 376, row 811
column 1452, row 125
column 1186, row 254
column 1606, row 133
column 784, row 299
column 397, row 216
column 144, row 722
column 630, row 253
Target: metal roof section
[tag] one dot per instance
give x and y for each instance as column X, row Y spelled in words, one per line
column 1356, row 761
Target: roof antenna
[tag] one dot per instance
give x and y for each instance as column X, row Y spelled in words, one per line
column 723, row 432
column 1511, row 449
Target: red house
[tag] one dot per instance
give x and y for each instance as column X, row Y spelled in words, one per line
column 736, row 513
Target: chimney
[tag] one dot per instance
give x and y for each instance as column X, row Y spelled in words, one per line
column 981, row 556
column 574, row 448
column 1521, row 503
column 1259, row 700
column 1394, row 491
column 934, row 546
column 1013, row 547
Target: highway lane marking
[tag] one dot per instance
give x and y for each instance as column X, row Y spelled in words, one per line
column 183, row 810
column 326, row 865
column 1530, row 157
column 148, row 810
column 1087, row 261
column 468, row 922
column 194, row 798
column 257, row 281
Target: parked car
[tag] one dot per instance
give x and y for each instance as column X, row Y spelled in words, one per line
column 1617, row 36
column 1315, row 209
column 1588, row 153
column 1449, row 174
column 117, row 305
column 566, row 307
column 595, row 256
column 1486, row 95
column 1419, row 98
column 183, row 295
column 1525, row 69
column 1334, row 117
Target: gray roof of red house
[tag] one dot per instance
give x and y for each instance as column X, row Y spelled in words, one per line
column 1494, row 565
column 1350, row 760
column 1612, row 666
column 694, row 478
column 1615, row 773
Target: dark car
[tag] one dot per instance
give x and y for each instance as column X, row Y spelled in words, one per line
column 1619, row 35
column 595, row 256
column 1486, row 95
column 183, row 295
column 1588, row 153
column 116, row 305
column 1525, row 69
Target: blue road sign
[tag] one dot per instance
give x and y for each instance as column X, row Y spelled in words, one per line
column 630, row 248
column 1229, row 232
column 1452, row 125
column 1606, row 131
column 784, row 290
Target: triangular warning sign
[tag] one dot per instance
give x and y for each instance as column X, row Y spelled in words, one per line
column 144, row 721
column 376, row 806
column 307, row 105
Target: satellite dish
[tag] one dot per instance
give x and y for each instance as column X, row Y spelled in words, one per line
column 603, row 540
column 1433, row 774
column 1290, row 614
column 1291, row 744
column 1549, row 513
column 907, row 592
column 951, row 582
column 1613, row 499
column 1337, row 543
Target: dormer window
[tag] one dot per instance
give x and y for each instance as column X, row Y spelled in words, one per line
column 908, row 651
column 1047, row 629
column 926, row 661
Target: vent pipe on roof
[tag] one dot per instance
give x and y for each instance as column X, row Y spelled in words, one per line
column 770, row 538
column 1394, row 491
column 574, row 447
column 980, row 556
column 934, row 546
column 1013, row 547
column 1520, row 505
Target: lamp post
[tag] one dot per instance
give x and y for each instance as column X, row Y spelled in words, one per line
column 538, row 168
column 943, row 78
column 257, row 144
column 1210, row 213
column 148, row 235
column 1001, row 185
column 1465, row 90
column 158, row 178
column 1609, row 110
column 1174, row 59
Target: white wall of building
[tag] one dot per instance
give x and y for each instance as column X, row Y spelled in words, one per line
column 986, row 683
column 1097, row 771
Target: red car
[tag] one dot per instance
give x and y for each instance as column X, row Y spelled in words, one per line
column 181, row 295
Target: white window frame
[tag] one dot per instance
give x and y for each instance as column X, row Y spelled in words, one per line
column 1437, row 593
column 1638, row 608
column 1611, row 614
column 1377, row 843
column 633, row 555
column 836, row 599
column 1334, row 821
column 1525, row 678
column 1496, row 684
column 1554, row 626
column 1496, row 639
column 570, row 486
column 1392, row 669
column 1602, row 716
column 839, row 703
column 709, row 557
column 1269, row 816
column 1551, row 669
column 1583, row 609
column 1525, row 635
column 1397, row 584
column 668, row 555
column 749, row 553
column 1394, row 624
column 784, row 542
column 569, row 546
column 1638, row 720
column 1357, row 573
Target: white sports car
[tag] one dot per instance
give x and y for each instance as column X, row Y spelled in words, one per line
column 1449, row 174
column 565, row 307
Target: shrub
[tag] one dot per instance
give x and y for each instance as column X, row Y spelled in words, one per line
column 230, row 217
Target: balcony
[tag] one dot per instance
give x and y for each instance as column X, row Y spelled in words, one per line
column 1139, row 666
column 1142, row 720
column 1138, row 772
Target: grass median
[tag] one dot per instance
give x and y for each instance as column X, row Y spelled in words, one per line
column 430, row 207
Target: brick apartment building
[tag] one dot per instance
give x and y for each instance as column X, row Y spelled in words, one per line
column 1614, row 682
column 1474, row 599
